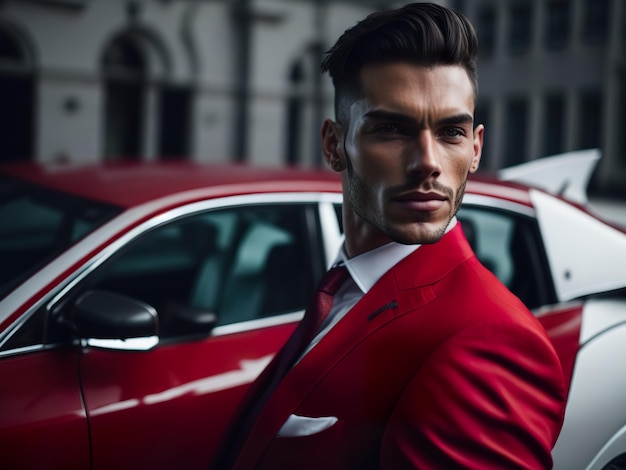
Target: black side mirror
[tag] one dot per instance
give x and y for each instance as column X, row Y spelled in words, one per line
column 108, row 315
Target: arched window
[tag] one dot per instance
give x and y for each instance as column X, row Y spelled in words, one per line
column 17, row 98
column 145, row 116
column 303, row 113
column 125, row 78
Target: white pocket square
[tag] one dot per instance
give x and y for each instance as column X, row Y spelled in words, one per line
column 298, row 426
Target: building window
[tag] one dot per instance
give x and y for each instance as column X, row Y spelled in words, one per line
column 295, row 108
column 17, row 86
column 10, row 50
column 486, row 30
column 520, row 28
column 125, row 70
column 590, row 130
column 554, row 124
column 144, row 114
column 516, row 131
column 596, row 24
column 174, row 122
column 557, row 24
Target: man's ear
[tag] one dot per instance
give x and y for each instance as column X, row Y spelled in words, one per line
column 478, row 147
column 332, row 145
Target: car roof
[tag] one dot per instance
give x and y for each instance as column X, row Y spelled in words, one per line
column 128, row 184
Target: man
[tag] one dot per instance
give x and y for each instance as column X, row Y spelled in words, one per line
column 426, row 360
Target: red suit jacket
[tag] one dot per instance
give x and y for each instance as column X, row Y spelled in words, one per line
column 438, row 366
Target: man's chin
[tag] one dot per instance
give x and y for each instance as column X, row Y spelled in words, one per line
column 424, row 234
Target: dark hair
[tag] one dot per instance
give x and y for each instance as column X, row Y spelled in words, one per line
column 423, row 33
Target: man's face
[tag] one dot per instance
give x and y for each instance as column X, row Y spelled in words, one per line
column 404, row 154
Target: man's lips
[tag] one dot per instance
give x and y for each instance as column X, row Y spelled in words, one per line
column 420, row 201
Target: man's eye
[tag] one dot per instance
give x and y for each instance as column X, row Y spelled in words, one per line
column 453, row 132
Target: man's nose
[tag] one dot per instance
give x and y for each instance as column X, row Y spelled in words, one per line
column 424, row 158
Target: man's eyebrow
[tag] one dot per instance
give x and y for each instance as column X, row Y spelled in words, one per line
column 383, row 115
column 463, row 118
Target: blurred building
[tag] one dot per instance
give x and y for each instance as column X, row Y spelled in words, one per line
column 87, row 80
column 552, row 78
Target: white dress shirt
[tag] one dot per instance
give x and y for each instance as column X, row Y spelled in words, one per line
column 365, row 270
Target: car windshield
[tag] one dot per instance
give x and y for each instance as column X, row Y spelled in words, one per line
column 37, row 224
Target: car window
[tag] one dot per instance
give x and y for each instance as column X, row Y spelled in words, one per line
column 337, row 208
column 509, row 245
column 29, row 334
column 37, row 224
column 241, row 263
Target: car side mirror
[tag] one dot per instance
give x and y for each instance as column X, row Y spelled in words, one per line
column 107, row 315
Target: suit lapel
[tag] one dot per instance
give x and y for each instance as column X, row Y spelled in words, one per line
column 401, row 290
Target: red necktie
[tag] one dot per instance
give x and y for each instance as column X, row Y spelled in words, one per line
column 315, row 314
column 320, row 306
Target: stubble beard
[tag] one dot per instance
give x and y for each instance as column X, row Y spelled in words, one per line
column 361, row 197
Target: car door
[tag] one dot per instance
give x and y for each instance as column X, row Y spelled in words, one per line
column 254, row 267
column 42, row 420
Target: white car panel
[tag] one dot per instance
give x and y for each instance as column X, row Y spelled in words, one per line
column 599, row 379
column 600, row 315
column 330, row 226
column 600, row 250
column 566, row 174
column 611, row 449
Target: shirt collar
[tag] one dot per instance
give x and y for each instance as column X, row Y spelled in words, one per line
column 367, row 268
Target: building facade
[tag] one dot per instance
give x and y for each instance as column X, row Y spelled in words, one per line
column 553, row 79
column 218, row 80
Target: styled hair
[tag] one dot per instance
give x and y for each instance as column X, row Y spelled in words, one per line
column 422, row 33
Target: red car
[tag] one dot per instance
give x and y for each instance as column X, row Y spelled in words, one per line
column 138, row 301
